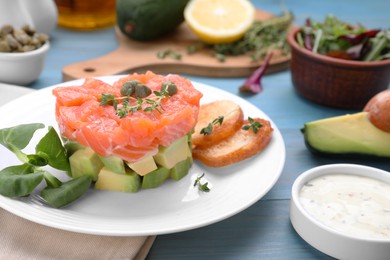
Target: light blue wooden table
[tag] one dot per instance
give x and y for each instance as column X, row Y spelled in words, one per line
column 263, row 231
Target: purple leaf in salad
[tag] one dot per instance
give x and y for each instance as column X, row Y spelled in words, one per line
column 355, row 52
column 354, row 39
column 253, row 83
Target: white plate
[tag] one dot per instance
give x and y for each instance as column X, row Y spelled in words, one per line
column 10, row 92
column 172, row 207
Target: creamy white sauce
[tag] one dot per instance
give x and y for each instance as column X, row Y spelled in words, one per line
column 351, row 204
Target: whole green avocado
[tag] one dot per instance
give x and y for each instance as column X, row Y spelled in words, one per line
column 145, row 20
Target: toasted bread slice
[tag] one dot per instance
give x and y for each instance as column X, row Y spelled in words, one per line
column 232, row 121
column 239, row 146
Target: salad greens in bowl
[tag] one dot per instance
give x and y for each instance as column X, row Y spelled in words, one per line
column 336, row 64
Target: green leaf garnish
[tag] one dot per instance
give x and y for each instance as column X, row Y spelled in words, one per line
column 254, row 125
column 201, row 186
column 21, row 180
column 209, row 128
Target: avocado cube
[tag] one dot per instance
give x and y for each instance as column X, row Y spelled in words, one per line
column 85, row 162
column 114, row 163
column 110, row 180
column 143, row 166
column 155, row 178
column 181, row 169
column 176, row 152
column 72, row 146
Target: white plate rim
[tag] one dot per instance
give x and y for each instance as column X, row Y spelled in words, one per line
column 81, row 223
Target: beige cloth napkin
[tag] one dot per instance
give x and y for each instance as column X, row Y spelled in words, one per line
column 26, row 240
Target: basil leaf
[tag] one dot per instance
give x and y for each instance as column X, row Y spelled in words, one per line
column 50, row 147
column 19, row 180
column 67, row 192
column 18, row 136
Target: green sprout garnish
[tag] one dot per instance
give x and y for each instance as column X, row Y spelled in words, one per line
column 254, row 125
column 209, row 128
column 202, row 187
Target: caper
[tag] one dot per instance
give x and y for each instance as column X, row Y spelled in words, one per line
column 12, row 42
column 169, row 87
column 30, row 31
column 128, row 87
column 6, row 29
column 4, row 47
column 142, row 91
column 22, row 37
column 21, row 40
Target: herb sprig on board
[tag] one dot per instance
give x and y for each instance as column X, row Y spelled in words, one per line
column 262, row 37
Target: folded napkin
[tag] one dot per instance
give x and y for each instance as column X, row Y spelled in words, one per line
column 23, row 239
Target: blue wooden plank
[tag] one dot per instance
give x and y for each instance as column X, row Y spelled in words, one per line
column 260, row 232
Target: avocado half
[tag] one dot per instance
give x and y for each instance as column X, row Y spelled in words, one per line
column 348, row 135
column 145, row 20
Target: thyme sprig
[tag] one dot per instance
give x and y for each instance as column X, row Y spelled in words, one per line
column 209, row 128
column 126, row 104
column 201, row 186
column 254, row 125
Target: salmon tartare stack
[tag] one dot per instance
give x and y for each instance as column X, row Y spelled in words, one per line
column 134, row 133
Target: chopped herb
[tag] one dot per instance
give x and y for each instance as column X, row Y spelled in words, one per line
column 202, row 187
column 169, row 53
column 254, row 125
column 209, row 128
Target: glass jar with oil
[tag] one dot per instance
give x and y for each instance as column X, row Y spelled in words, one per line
column 86, row 14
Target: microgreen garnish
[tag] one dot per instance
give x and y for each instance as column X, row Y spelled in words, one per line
column 209, row 128
column 137, row 99
column 254, row 125
column 201, row 186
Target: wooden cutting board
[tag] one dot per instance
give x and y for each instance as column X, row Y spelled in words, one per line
column 134, row 56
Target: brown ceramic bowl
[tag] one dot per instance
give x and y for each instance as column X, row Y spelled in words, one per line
column 336, row 82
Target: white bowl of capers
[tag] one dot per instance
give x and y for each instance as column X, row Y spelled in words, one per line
column 22, row 54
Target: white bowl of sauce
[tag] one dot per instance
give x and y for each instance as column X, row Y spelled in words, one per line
column 343, row 210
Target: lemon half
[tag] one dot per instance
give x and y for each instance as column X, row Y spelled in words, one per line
column 219, row 21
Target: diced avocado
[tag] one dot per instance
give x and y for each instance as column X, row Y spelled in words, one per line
column 109, row 180
column 349, row 135
column 114, row 163
column 181, row 169
column 176, row 152
column 155, row 178
column 85, row 162
column 143, row 166
column 72, row 146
